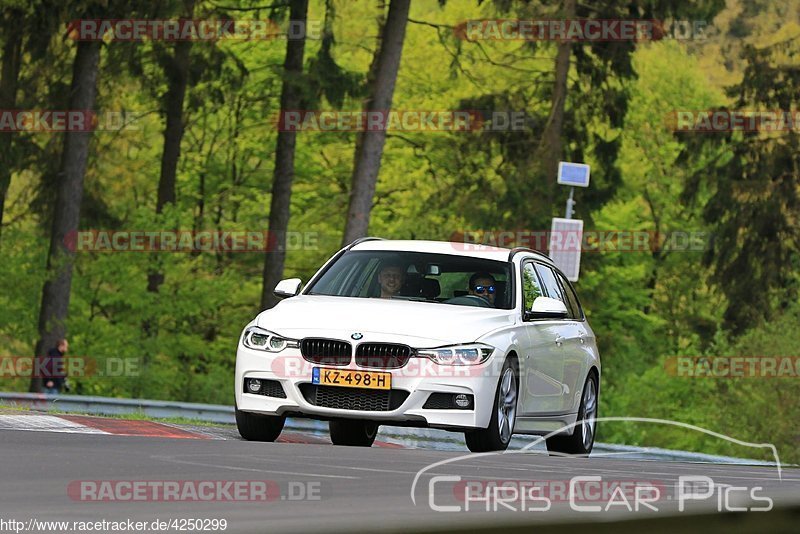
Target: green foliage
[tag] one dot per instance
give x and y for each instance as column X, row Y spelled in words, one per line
column 736, row 194
column 756, row 196
column 759, row 410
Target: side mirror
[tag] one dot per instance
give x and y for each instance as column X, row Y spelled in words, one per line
column 287, row 288
column 547, row 308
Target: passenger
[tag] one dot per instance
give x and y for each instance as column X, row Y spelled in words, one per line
column 483, row 285
column 391, row 278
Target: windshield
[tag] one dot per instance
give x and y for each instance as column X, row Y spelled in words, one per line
column 418, row 276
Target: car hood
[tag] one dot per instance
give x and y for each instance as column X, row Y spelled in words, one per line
column 417, row 324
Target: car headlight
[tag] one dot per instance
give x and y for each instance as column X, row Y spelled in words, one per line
column 471, row 354
column 259, row 339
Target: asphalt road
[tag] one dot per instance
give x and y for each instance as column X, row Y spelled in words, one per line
column 351, row 489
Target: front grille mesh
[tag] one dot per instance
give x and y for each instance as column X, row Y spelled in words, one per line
column 342, row 398
column 439, row 401
column 382, row 355
column 326, row 351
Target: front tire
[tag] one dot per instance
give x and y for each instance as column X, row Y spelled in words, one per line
column 353, row 433
column 581, row 441
column 255, row 427
column 501, row 424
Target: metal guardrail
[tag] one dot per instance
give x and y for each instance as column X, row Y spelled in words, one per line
column 213, row 413
column 218, row 413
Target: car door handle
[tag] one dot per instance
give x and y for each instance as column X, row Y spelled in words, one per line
column 583, row 339
column 559, row 340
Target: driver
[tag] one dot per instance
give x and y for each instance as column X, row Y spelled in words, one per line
column 390, row 279
column 483, row 285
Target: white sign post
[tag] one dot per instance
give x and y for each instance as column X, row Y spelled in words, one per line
column 566, row 235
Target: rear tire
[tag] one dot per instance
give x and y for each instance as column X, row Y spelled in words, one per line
column 353, row 433
column 501, row 424
column 255, row 427
column 581, row 441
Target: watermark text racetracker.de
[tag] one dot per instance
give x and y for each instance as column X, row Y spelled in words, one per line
column 580, row 30
column 192, row 30
column 407, row 120
column 733, row 366
column 597, row 240
column 193, row 490
column 71, row 120
column 294, row 366
column 726, row 120
column 188, row 241
column 592, row 494
column 68, row 367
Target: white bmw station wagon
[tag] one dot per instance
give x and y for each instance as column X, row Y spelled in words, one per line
column 486, row 341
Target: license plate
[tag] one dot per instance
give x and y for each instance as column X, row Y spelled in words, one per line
column 351, row 379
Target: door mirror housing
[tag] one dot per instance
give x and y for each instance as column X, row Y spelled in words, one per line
column 287, row 288
column 547, row 308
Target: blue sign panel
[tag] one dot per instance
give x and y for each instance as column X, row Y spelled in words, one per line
column 575, row 174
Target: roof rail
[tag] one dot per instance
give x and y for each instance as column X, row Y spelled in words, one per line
column 516, row 250
column 362, row 240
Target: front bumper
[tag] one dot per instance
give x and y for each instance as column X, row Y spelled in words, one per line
column 420, row 377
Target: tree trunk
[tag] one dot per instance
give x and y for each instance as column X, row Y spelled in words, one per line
column 283, row 175
column 370, row 148
column 56, row 291
column 9, row 79
column 176, row 69
column 552, row 146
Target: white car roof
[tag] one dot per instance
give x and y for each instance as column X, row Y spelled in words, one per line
column 442, row 247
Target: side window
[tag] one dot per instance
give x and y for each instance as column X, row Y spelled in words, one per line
column 550, row 283
column 573, row 303
column 530, row 285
